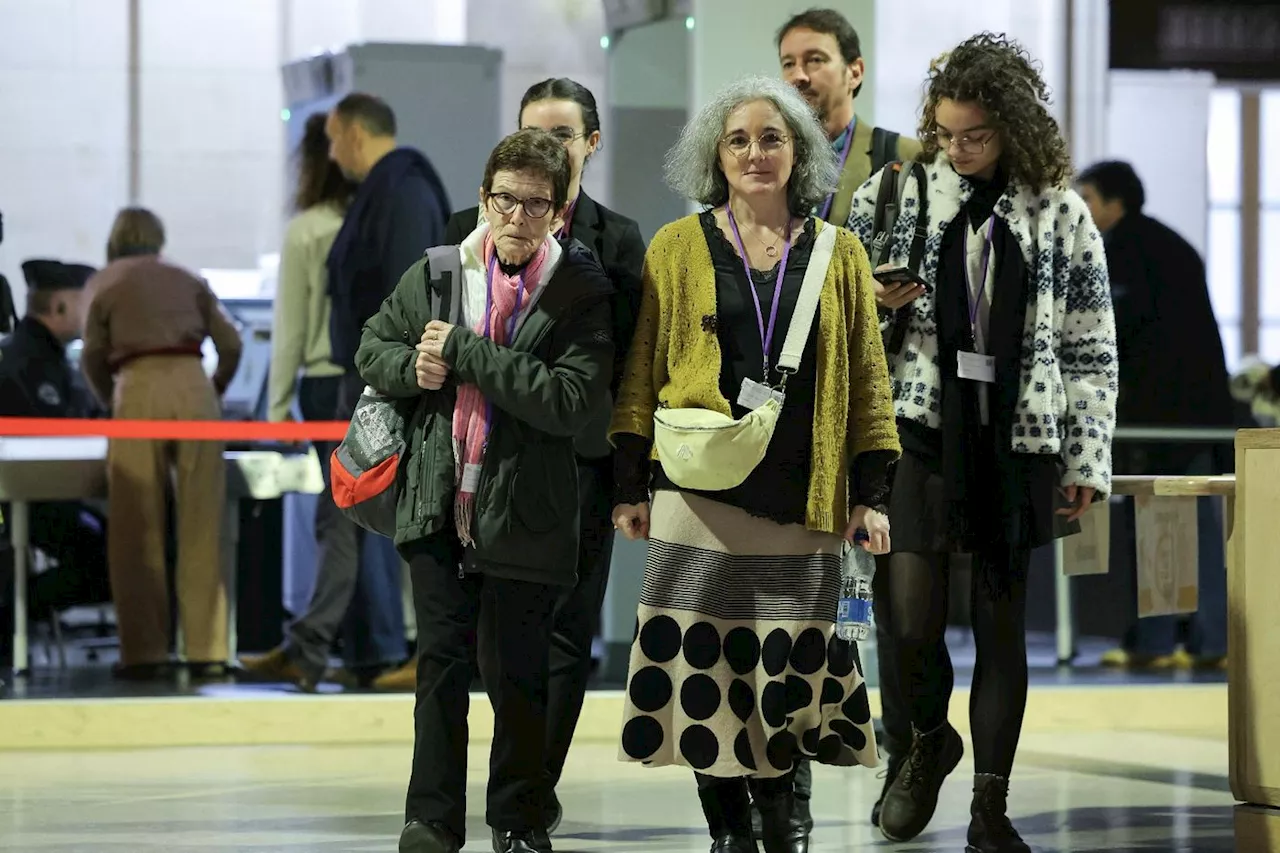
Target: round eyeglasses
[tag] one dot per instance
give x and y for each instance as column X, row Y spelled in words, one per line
column 966, row 144
column 770, row 142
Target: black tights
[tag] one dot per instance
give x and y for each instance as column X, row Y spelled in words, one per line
column 912, row 591
column 727, row 800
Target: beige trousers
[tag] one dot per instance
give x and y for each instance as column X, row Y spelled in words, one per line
column 138, row 474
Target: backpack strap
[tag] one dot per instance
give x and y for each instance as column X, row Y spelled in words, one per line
column 921, row 233
column 884, row 148
column 444, row 263
column 886, row 215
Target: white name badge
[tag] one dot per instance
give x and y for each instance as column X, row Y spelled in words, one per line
column 470, row 478
column 976, row 367
column 755, row 394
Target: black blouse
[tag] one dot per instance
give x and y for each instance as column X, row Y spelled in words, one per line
column 778, row 488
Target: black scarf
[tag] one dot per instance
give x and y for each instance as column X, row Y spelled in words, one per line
column 985, row 503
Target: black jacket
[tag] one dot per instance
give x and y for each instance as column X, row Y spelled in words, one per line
column 1172, row 368
column 616, row 242
column 36, row 380
column 543, row 388
column 398, row 213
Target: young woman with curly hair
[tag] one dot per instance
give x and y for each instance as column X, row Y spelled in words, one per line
column 1004, row 374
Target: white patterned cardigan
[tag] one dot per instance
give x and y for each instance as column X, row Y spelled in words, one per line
column 1067, row 404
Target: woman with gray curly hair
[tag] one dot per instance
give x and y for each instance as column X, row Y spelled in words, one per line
column 754, row 433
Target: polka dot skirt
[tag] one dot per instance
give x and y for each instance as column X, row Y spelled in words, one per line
column 735, row 669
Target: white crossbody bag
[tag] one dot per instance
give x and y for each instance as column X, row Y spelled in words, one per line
column 708, row 451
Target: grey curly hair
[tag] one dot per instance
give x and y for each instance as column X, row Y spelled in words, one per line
column 693, row 163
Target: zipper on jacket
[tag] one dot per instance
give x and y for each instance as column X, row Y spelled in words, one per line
column 422, row 492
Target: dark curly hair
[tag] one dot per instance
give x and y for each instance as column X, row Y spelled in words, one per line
column 998, row 74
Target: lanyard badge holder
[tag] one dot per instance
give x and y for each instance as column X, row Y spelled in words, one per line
column 755, row 394
column 976, row 366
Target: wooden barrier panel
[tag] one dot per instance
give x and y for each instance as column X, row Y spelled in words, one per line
column 1253, row 595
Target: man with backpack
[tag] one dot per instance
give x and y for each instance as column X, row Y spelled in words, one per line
column 821, row 56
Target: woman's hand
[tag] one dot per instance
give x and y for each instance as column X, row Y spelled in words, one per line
column 894, row 296
column 434, row 337
column 877, row 526
column 430, row 366
column 632, row 520
column 431, row 371
column 1080, row 499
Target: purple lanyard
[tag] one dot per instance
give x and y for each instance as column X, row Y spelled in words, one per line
column 844, row 156
column 975, row 301
column 568, row 220
column 488, row 304
column 766, row 333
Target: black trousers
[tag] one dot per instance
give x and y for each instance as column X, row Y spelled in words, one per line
column 448, row 608
column 576, row 618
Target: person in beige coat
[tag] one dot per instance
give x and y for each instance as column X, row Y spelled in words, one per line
column 147, row 321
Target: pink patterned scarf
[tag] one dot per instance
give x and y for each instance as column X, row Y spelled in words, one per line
column 472, row 415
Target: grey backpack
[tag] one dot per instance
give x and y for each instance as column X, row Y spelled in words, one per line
column 364, row 471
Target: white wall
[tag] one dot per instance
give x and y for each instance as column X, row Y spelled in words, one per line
column 911, row 35
column 63, row 148
column 212, row 141
column 1175, row 171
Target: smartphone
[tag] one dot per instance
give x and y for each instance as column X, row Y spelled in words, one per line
column 901, row 275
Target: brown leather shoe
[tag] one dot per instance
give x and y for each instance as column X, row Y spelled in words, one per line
column 276, row 666
column 403, row 679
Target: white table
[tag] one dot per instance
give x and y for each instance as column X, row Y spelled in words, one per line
column 69, row 469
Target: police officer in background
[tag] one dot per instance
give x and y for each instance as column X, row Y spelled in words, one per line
column 37, row 381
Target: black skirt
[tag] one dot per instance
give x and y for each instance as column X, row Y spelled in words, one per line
column 923, row 523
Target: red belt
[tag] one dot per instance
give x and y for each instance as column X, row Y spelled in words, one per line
column 190, row 350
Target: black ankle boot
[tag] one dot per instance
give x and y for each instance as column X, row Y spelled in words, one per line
column 780, row 832
column 728, row 813
column 990, row 830
column 912, row 797
column 892, row 765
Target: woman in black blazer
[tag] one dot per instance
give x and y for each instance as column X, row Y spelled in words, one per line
column 568, row 111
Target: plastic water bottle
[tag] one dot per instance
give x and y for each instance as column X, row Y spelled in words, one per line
column 853, row 613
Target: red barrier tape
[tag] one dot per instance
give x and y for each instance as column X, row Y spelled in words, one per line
column 288, row 431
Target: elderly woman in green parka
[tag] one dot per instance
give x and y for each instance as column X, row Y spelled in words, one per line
column 487, row 510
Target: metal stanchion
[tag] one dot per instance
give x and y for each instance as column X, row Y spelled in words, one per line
column 1065, row 625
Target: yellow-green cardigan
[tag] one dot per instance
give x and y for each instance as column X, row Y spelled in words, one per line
column 675, row 359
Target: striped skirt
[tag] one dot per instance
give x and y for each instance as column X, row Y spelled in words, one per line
column 735, row 669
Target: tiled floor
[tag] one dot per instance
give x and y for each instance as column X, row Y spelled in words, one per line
column 1113, row 792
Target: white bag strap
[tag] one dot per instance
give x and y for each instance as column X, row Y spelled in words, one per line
column 807, row 302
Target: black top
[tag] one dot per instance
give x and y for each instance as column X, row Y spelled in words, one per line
column 617, row 245
column 36, row 380
column 778, row 488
